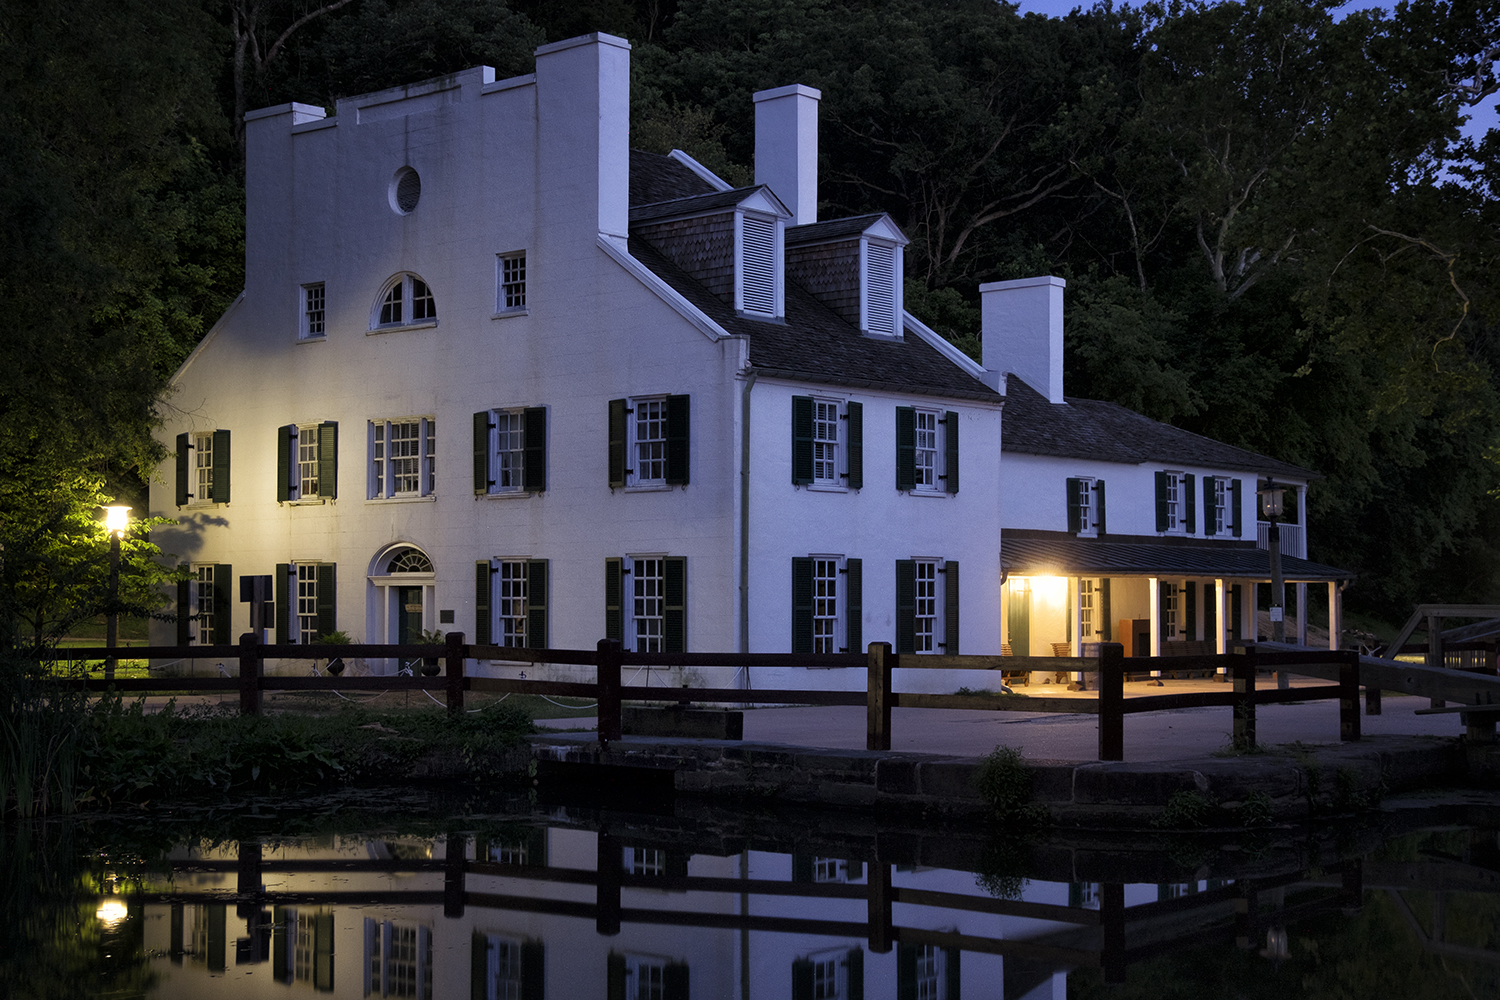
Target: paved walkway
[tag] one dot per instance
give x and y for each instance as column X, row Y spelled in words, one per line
column 1149, row 736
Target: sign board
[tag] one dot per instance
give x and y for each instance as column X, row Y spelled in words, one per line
column 1276, row 613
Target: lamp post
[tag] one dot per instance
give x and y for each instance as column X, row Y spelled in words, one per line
column 1271, row 507
column 116, row 520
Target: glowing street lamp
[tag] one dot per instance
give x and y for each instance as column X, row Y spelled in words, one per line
column 117, row 521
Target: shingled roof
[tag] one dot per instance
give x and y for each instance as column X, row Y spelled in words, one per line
column 655, row 178
column 815, row 344
column 1107, row 432
column 1100, row 557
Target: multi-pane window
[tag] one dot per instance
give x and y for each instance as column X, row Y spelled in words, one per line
column 1174, row 501
column 649, row 587
column 929, row 973
column 825, row 978
column 400, row 959
column 313, row 311
column 1086, row 520
column 306, row 479
column 512, row 603
column 830, row 870
column 403, row 457
column 203, row 603
column 645, row 979
column 203, row 468
column 303, row 947
column 407, row 300
column 510, row 451
column 1088, row 596
column 503, row 969
column 1171, row 595
column 649, row 436
column 926, row 454
column 307, row 602
column 925, row 620
column 825, row 442
column 645, row 861
column 1222, row 517
column 825, row 605
column 512, row 290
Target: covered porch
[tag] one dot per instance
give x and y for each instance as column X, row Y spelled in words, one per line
column 1156, row 597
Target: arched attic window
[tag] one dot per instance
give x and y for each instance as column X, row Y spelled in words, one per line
column 406, row 300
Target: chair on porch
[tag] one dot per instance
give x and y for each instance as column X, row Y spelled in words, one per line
column 1061, row 649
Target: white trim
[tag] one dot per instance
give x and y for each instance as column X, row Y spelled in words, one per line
column 208, row 337
column 616, row 248
column 708, row 176
column 944, row 348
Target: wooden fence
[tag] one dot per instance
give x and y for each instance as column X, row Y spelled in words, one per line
column 879, row 697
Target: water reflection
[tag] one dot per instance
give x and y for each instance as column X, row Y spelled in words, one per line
column 580, row 905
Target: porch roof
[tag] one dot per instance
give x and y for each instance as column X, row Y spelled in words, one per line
column 1093, row 557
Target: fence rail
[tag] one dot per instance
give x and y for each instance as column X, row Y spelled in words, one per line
column 879, row 697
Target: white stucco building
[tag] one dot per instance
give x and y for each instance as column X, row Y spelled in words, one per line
column 494, row 372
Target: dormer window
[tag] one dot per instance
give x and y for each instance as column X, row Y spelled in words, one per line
column 880, row 262
column 405, row 302
column 758, row 274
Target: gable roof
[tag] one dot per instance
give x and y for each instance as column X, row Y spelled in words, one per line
column 851, row 228
column 1107, row 432
column 713, row 201
column 815, row 344
column 655, row 178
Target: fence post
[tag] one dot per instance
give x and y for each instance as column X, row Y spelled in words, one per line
column 1244, row 697
column 1112, row 916
column 608, row 866
column 455, row 673
column 250, row 662
column 879, row 918
column 609, row 651
column 1348, row 695
column 878, row 665
column 1111, row 701
column 455, row 870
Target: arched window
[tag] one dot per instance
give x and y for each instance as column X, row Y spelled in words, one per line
column 408, row 560
column 406, row 301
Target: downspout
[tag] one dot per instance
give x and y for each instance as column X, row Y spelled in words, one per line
column 745, row 516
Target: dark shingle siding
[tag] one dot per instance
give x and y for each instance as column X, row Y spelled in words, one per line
column 816, row 345
column 702, row 246
column 1106, row 432
column 655, row 178
column 831, row 272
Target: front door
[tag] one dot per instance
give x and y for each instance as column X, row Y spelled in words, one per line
column 1018, row 621
column 408, row 618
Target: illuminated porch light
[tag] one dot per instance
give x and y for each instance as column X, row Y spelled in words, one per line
column 117, row 519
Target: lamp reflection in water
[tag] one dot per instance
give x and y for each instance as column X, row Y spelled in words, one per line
column 112, row 912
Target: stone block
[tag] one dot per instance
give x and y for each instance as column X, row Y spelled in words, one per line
column 949, row 780
column 896, row 776
column 695, row 723
column 1134, row 784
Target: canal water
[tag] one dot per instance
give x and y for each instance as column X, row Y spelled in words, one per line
column 512, row 899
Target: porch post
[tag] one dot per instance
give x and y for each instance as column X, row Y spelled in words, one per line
column 1153, row 590
column 1335, row 614
column 1076, row 582
column 1249, row 615
column 1302, row 613
column 1221, row 620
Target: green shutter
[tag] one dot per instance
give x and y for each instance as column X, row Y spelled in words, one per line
column 952, row 976
column 1099, row 506
column 802, row 868
column 674, row 609
column 856, row 439
column 679, row 411
column 802, row 979
column 950, row 441
column 1236, row 611
column 328, row 460
column 283, row 602
column 1208, row 506
column 483, row 618
column 1234, row 493
column 614, row 621
column 854, row 603
column 284, row 438
column 906, row 606
column 221, row 467
column 1163, row 519
column 1190, row 502
column 327, row 597
column 1075, row 504
column 223, row 605
column 906, row 448
column 323, row 952
column 802, row 441
column 1161, row 611
column 1210, row 612
column 802, row 604
column 1018, row 621
column 617, row 446
column 536, row 604
column 482, row 451
column 184, row 468
column 856, row 963
column 906, row 971
column 1104, row 611
column 534, row 469
column 614, row 974
column 184, row 611
column 216, row 917
column 280, row 971
column 1190, row 609
column 533, row 970
column 674, row 982
column 479, row 966
column 950, row 607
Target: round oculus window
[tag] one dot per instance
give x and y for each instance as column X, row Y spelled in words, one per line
column 406, row 191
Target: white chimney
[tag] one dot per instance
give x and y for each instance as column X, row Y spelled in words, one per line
column 1022, row 329
column 786, row 148
column 583, row 104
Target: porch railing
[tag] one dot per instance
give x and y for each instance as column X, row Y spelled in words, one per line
column 1292, row 543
